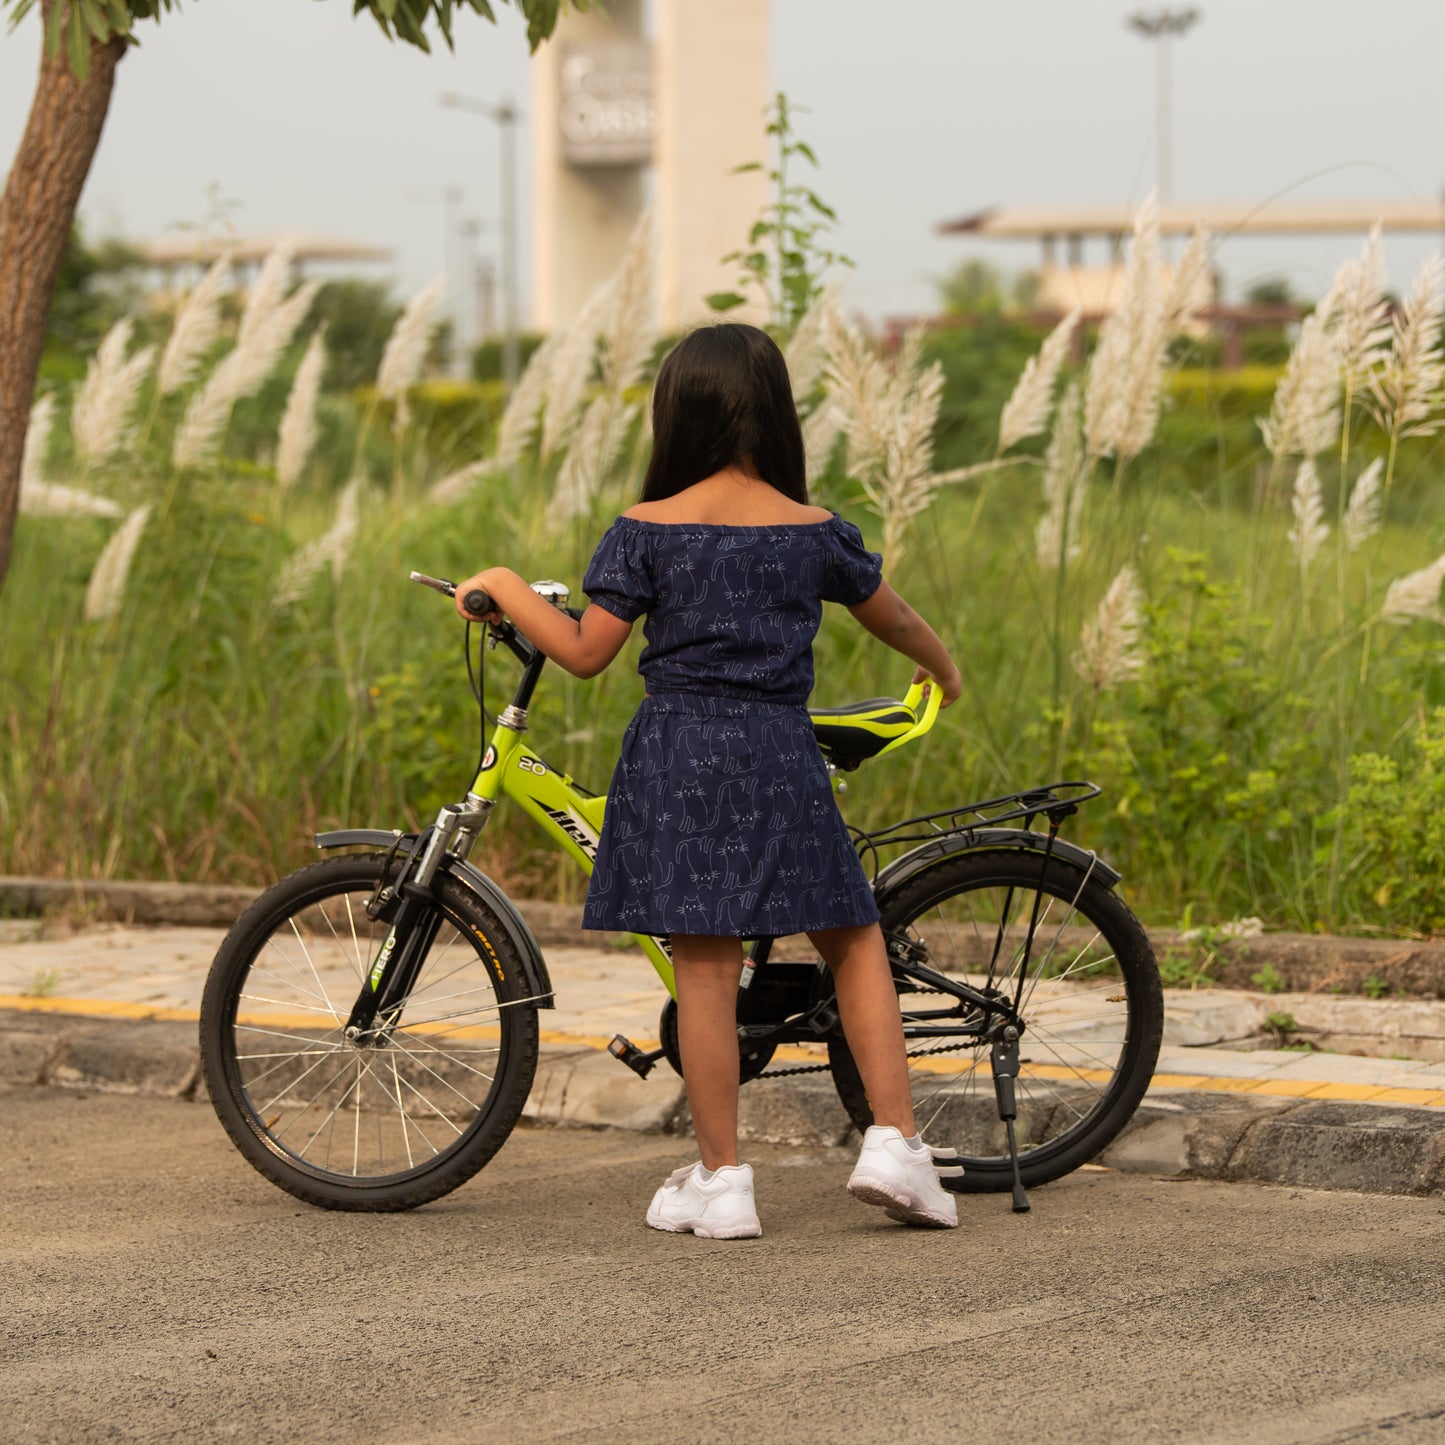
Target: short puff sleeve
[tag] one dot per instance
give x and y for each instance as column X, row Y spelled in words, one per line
column 851, row 573
column 618, row 578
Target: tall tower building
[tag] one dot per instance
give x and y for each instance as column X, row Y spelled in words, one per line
column 621, row 119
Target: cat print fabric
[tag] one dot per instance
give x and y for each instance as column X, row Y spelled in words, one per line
column 720, row 817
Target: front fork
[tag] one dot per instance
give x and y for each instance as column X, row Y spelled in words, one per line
column 415, row 920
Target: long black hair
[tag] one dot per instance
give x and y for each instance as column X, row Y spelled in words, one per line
column 723, row 399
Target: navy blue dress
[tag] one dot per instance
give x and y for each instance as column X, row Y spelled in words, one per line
column 720, row 817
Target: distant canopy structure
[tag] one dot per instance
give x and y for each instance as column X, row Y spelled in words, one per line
column 187, row 250
column 1069, row 283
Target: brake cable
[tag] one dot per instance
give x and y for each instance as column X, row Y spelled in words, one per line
column 477, row 681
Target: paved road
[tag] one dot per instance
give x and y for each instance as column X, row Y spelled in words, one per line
column 154, row 1288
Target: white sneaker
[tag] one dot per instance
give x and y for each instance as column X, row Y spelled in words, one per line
column 720, row 1208
column 902, row 1179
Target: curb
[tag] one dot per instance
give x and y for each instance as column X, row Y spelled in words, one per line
column 1175, row 1134
column 1301, row 962
column 204, row 905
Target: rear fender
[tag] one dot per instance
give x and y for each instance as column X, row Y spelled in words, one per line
column 975, row 840
column 534, row 967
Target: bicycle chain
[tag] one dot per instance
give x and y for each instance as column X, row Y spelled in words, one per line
column 819, row 1068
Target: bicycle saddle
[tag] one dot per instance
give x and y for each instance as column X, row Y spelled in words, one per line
column 853, row 734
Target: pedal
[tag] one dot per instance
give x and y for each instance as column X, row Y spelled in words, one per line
column 639, row 1062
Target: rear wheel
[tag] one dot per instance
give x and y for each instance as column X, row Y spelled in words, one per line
column 403, row 1117
column 1082, row 968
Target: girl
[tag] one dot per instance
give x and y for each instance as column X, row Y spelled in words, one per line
column 720, row 821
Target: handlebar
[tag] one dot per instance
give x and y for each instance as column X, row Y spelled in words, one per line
column 476, row 601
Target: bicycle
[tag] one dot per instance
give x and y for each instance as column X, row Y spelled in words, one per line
column 369, row 1027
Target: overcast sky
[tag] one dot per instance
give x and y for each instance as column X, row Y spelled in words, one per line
column 303, row 118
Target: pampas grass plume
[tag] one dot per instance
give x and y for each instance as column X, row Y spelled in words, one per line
column 1362, row 516
column 298, row 424
column 331, row 549
column 519, row 420
column 267, row 292
column 572, row 369
column 1362, row 313
column 806, row 351
column 1407, row 385
column 1191, row 288
column 1109, row 651
column 456, row 485
column 630, row 333
column 197, row 324
column 106, row 589
column 100, row 417
column 1121, row 398
column 39, row 498
column 37, row 440
column 1026, row 412
column 1304, row 415
column 1416, row 595
column 1065, row 473
column 268, row 323
column 405, row 355
column 1310, row 529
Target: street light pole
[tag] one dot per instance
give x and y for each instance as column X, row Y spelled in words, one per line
column 1161, row 26
column 506, row 116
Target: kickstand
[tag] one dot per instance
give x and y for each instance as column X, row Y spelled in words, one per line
column 1005, row 1060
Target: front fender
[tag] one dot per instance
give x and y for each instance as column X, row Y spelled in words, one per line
column 534, row 966
column 975, row 839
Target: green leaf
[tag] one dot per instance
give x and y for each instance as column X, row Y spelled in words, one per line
column 746, row 166
column 725, row 300
column 802, row 148
column 52, row 31
column 95, row 22
column 822, row 208
column 79, row 43
column 759, row 230
column 541, row 20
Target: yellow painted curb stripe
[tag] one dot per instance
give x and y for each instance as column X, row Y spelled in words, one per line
column 1302, row 1089
column 1287, row 1088
column 96, row 1008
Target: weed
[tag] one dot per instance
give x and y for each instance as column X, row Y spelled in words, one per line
column 1185, row 968
column 1374, row 987
column 1280, row 1024
column 43, row 983
column 1268, row 980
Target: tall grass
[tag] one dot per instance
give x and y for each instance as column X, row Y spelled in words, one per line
column 1216, row 651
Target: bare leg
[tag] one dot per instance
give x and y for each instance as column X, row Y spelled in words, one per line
column 872, row 1024
column 707, row 972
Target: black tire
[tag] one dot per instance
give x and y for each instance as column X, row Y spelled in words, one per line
column 397, row 1123
column 1092, row 1008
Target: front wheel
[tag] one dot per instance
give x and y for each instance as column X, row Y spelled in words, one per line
column 402, row 1116
column 1083, row 973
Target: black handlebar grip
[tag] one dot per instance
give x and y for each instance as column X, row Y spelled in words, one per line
column 477, row 602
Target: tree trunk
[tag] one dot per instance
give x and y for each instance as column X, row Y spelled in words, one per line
column 36, row 213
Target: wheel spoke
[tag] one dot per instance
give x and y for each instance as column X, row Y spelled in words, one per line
column 471, row 1103
column 312, row 964
column 1009, row 924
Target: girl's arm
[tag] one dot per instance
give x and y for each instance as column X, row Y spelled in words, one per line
column 583, row 646
column 890, row 619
